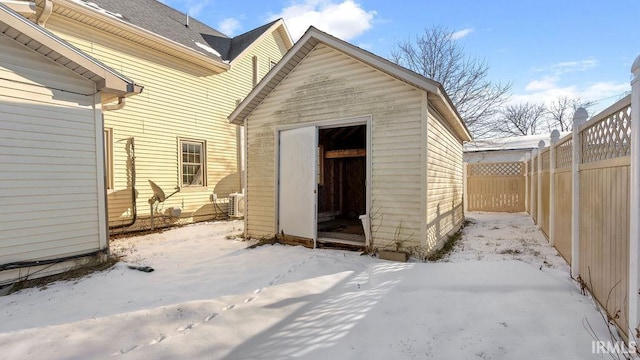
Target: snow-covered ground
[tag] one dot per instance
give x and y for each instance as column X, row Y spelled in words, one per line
column 502, row 294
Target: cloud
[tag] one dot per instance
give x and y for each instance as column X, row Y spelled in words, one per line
column 461, row 33
column 606, row 91
column 565, row 67
column 546, row 83
column 343, row 19
column 229, row 26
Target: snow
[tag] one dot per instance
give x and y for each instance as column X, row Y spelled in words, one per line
column 510, row 143
column 97, row 7
column 502, row 294
column 208, row 49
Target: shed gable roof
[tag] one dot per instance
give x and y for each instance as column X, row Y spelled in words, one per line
column 307, row 43
column 47, row 44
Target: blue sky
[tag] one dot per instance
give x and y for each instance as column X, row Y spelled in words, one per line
column 546, row 49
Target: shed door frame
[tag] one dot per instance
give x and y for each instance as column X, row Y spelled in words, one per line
column 360, row 120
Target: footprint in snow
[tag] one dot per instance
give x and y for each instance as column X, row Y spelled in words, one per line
column 209, row 317
column 257, row 291
column 159, row 339
column 229, row 307
column 248, row 300
column 186, row 327
column 125, row 350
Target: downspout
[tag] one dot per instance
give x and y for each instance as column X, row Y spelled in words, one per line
column 117, row 106
column 134, row 206
column 47, row 9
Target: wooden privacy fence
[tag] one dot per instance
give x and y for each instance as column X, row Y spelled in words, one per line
column 496, row 187
column 583, row 207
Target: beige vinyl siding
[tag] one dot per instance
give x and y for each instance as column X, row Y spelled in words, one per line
column 49, row 179
column 180, row 100
column 328, row 85
column 444, row 181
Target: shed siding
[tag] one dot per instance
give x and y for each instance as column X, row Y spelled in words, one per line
column 328, row 85
column 444, row 181
column 49, row 179
column 179, row 100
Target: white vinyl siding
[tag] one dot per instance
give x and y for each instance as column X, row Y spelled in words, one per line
column 179, row 100
column 328, row 85
column 51, row 178
column 444, row 181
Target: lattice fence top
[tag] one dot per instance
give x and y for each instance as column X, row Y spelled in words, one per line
column 609, row 138
column 490, row 169
column 564, row 154
column 546, row 160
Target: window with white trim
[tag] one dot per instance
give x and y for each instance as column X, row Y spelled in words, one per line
column 192, row 162
column 108, row 158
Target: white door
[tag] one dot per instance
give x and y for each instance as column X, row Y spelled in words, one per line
column 297, row 189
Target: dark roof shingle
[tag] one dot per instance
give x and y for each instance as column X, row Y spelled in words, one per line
column 170, row 23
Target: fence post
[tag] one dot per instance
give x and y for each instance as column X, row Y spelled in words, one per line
column 555, row 136
column 634, row 203
column 531, row 188
column 579, row 118
column 539, row 200
column 465, row 192
column 526, row 184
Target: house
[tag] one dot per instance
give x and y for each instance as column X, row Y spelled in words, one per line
column 338, row 137
column 52, row 189
column 175, row 134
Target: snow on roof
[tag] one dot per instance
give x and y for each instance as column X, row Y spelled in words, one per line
column 208, row 49
column 98, row 8
column 526, row 142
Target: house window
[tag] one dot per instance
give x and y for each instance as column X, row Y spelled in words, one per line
column 108, row 158
column 192, row 162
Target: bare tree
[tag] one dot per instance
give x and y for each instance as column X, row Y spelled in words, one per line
column 560, row 112
column 521, row 119
column 437, row 55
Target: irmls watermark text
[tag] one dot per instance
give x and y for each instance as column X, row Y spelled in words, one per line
column 614, row 347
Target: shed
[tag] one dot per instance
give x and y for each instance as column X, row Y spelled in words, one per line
column 344, row 146
column 52, row 189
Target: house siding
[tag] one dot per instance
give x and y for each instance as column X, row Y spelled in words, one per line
column 179, row 100
column 50, row 175
column 329, row 85
column 444, row 181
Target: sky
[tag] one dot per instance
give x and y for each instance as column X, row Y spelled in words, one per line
column 545, row 49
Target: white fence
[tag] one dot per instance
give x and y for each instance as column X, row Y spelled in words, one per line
column 587, row 186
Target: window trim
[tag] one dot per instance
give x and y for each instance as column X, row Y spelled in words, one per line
column 108, row 158
column 203, row 160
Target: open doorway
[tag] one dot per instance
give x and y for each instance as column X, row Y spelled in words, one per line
column 342, row 178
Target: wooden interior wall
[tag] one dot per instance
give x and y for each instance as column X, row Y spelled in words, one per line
column 344, row 187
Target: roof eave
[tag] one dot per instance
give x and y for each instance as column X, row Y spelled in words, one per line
column 192, row 55
column 109, row 80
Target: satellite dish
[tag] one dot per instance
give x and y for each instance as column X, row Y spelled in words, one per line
column 157, row 192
